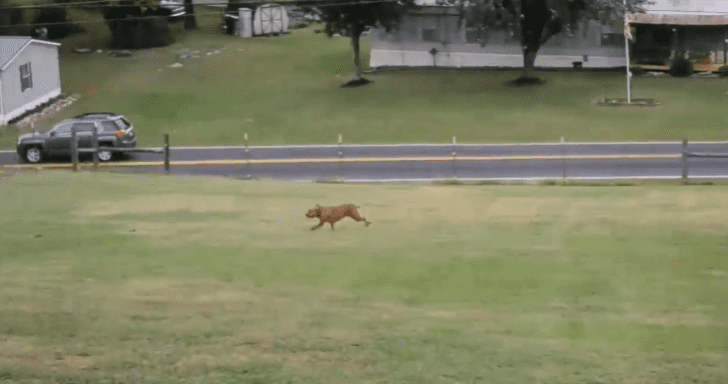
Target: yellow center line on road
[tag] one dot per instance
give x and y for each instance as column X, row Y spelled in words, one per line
column 193, row 163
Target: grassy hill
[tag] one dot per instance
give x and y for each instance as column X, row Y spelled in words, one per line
column 153, row 279
column 285, row 90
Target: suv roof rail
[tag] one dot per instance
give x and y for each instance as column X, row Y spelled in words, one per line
column 96, row 113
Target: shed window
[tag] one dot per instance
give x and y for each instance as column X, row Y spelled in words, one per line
column 26, row 77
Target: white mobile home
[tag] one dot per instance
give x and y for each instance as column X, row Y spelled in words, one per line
column 29, row 75
column 431, row 37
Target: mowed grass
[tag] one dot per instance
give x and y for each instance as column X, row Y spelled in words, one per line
column 153, row 279
column 286, row 90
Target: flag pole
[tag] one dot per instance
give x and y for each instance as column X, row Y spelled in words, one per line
column 627, row 38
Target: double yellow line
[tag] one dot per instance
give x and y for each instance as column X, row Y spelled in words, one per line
column 194, row 163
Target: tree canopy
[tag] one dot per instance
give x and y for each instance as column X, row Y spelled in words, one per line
column 353, row 17
column 536, row 21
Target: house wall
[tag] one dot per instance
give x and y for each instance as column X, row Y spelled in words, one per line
column 418, row 34
column 46, row 77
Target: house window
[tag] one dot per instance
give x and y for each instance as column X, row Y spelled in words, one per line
column 26, row 78
column 429, row 35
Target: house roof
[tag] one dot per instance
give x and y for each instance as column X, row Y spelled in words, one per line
column 683, row 12
column 687, row 7
column 677, row 19
column 11, row 46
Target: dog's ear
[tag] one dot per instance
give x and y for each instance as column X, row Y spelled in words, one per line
column 318, row 206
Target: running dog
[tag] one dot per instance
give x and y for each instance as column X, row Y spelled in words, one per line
column 333, row 214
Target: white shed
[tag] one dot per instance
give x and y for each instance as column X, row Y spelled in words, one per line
column 270, row 19
column 29, row 75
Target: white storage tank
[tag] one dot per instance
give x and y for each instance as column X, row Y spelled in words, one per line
column 244, row 23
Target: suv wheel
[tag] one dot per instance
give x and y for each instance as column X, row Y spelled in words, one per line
column 33, row 154
column 105, row 155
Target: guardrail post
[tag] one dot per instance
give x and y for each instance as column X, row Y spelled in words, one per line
column 96, row 148
column 247, row 154
column 74, row 149
column 685, row 160
column 563, row 159
column 454, row 160
column 166, row 152
column 341, row 159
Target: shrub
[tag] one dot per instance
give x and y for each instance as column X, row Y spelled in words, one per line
column 722, row 71
column 55, row 19
column 681, row 67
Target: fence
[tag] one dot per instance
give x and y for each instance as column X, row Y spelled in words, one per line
column 75, row 150
column 454, row 155
column 686, row 155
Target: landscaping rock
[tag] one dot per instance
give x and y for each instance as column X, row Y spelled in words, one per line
column 175, row 65
column 706, row 75
column 123, row 53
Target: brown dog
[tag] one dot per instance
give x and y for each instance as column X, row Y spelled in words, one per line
column 333, row 214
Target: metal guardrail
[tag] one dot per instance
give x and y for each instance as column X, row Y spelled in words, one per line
column 339, row 159
column 686, row 155
column 75, row 150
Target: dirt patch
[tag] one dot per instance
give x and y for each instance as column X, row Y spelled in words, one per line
column 549, row 371
column 162, row 203
column 669, row 319
column 20, row 352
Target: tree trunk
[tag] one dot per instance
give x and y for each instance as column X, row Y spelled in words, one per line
column 356, row 32
column 190, row 21
column 529, row 61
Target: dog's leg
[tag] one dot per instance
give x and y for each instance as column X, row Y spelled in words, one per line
column 332, row 226
column 317, row 226
column 355, row 215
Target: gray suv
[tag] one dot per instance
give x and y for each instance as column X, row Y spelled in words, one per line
column 113, row 131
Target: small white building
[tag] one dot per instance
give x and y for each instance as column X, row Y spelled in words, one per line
column 29, row 75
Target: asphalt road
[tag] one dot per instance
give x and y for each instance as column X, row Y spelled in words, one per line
column 348, row 151
column 632, row 168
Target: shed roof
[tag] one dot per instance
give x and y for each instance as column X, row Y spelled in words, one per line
column 11, row 46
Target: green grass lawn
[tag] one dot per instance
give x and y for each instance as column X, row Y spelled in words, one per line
column 153, row 279
column 285, row 90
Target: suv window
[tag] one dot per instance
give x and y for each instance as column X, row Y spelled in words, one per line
column 62, row 129
column 84, row 127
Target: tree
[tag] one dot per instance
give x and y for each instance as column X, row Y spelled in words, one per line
column 136, row 24
column 10, row 17
column 190, row 21
column 353, row 17
column 535, row 21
